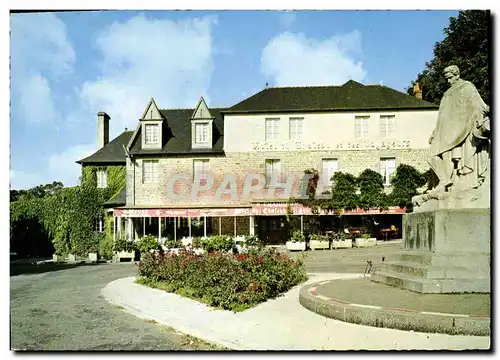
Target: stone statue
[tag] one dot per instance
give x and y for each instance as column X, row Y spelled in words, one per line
column 459, row 144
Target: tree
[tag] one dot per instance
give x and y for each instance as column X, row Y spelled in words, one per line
column 39, row 191
column 405, row 182
column 431, row 179
column 344, row 192
column 467, row 45
column 371, row 186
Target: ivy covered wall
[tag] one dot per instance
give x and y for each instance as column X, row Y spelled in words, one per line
column 67, row 217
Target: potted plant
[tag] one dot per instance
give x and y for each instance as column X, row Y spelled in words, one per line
column 252, row 241
column 186, row 240
column 297, row 242
column 365, row 241
column 318, row 241
column 171, row 244
column 124, row 249
column 57, row 257
column 148, row 243
column 341, row 241
column 93, row 254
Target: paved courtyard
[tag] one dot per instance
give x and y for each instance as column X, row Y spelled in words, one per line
column 64, row 310
column 347, row 260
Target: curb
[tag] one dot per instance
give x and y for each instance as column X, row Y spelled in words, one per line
column 395, row 318
column 182, row 329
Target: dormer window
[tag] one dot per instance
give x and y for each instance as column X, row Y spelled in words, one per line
column 152, row 127
column 152, row 134
column 201, row 130
column 201, row 126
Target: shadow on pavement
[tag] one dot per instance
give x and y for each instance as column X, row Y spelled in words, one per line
column 23, row 269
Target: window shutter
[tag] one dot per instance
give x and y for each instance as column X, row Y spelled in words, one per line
column 391, row 121
column 357, row 128
column 366, row 128
column 383, row 126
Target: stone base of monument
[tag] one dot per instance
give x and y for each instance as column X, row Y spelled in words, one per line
column 445, row 251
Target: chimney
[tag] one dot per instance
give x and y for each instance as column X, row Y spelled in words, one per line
column 102, row 129
column 417, row 92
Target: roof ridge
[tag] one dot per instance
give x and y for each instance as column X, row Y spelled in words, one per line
column 303, row 87
column 189, row 109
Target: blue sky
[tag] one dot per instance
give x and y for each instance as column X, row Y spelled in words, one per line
column 65, row 67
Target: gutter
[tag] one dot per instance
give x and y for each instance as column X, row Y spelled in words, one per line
column 264, row 111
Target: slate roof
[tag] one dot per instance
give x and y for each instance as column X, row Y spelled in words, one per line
column 350, row 96
column 112, row 153
column 178, row 134
column 119, row 199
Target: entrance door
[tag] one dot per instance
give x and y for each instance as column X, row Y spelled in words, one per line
column 272, row 229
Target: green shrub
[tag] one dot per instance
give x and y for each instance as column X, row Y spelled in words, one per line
column 172, row 244
column 318, row 237
column 106, row 247
column 252, row 240
column 148, row 243
column 340, row 236
column 217, row 243
column 297, row 236
column 233, row 282
column 123, row 245
column 197, row 242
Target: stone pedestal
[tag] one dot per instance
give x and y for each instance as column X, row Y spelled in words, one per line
column 445, row 251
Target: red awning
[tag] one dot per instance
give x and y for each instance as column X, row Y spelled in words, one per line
column 279, row 209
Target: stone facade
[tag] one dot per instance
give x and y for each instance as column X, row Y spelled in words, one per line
column 323, row 135
column 241, row 164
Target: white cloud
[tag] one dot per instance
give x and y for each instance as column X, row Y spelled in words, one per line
column 62, row 166
column 139, row 58
column 40, row 51
column 20, row 179
column 35, row 93
column 293, row 59
column 144, row 58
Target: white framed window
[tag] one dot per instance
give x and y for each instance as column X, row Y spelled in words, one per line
column 150, row 170
column 200, row 167
column 361, row 126
column 272, row 129
column 201, row 133
column 152, row 134
column 387, row 168
column 387, row 125
column 295, row 128
column 273, row 170
column 102, row 179
column 99, row 225
column 330, row 166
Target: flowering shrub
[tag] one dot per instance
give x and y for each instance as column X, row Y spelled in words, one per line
column 233, row 282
